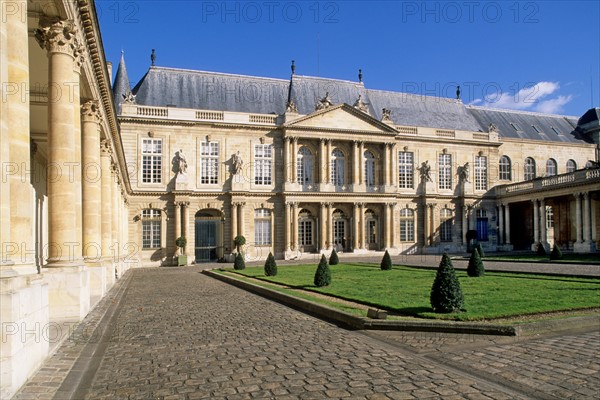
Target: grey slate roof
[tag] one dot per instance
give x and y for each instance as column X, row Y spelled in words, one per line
column 181, row 88
column 121, row 86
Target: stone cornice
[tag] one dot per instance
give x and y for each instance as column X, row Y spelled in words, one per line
column 171, row 122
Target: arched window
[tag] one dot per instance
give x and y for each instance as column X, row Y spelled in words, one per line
column 446, row 225
column 529, row 169
column 262, row 227
column 369, row 168
column 151, row 229
column 305, row 163
column 505, row 168
column 571, row 166
column 551, row 167
column 371, row 228
column 338, row 165
column 407, row 225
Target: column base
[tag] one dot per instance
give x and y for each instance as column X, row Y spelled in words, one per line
column 98, row 284
column 584, row 247
column 68, row 293
column 109, row 265
column 25, row 330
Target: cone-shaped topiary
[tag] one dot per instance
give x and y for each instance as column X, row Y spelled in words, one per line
column 541, row 250
column 446, row 294
column 270, row 265
column 480, row 250
column 386, row 262
column 333, row 258
column 556, row 254
column 475, row 267
column 239, row 262
column 323, row 274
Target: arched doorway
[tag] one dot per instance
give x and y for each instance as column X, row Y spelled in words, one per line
column 340, row 234
column 208, row 235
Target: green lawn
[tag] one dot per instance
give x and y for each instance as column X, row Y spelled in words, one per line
column 405, row 290
column 532, row 257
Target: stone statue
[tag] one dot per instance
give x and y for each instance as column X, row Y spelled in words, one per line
column 237, row 163
column 153, row 57
column 325, row 102
column 458, row 92
column 360, row 105
column 425, row 172
column 129, row 98
column 492, row 128
column 463, row 173
column 386, row 115
column 181, row 162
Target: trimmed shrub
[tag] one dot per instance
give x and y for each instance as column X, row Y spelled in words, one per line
column 333, row 258
column 239, row 262
column 323, row 274
column 386, row 262
column 239, row 241
column 446, row 294
column 270, row 265
column 480, row 250
column 475, row 267
column 556, row 254
column 541, row 250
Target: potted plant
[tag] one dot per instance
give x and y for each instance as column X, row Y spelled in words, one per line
column 239, row 241
column 180, row 242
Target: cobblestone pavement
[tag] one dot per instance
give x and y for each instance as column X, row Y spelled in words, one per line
column 188, row 336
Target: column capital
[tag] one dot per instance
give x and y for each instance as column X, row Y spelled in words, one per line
column 90, row 111
column 58, row 35
column 391, row 204
column 359, row 204
column 105, row 149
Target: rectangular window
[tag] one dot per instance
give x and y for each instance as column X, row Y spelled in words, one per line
column 445, row 171
column 262, row 232
column 371, row 231
column 305, row 233
column 263, row 162
column 209, row 162
column 481, row 173
column 446, row 231
column 405, row 169
column 151, row 160
column 407, row 230
column 151, row 229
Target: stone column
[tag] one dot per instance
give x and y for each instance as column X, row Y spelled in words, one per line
column 322, row 226
column 543, row 228
column 241, row 219
column 394, row 166
column 77, row 150
column 330, row 225
column 356, row 227
column 328, row 162
column 288, row 222
column 361, row 162
column 536, row 222
column 432, row 223
column 587, row 232
column 106, row 210
column 507, row 224
column 578, row 218
column 363, row 227
column 500, row 224
column 18, row 172
column 234, row 220
column 186, row 226
column 355, row 161
column 425, row 224
column 465, row 224
column 295, row 224
column 115, row 213
column 176, row 219
column 92, row 182
column 385, row 165
column 294, row 157
column 322, row 163
column 386, row 225
column 286, row 159
column 393, row 225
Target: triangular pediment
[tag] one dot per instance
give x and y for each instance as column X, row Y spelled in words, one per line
column 341, row 118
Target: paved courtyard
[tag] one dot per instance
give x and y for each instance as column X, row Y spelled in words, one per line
column 173, row 333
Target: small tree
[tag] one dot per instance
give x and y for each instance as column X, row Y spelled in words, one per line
column 386, row 262
column 239, row 262
column 480, row 250
column 333, row 258
column 446, row 293
column 475, row 267
column 239, row 241
column 541, row 250
column 270, row 265
column 180, row 242
column 323, row 274
column 556, row 254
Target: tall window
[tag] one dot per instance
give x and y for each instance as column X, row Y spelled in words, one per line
column 370, row 227
column 446, row 225
column 209, row 162
column 405, row 169
column 262, row 227
column 549, row 217
column 263, row 163
column 481, row 173
column 305, row 228
column 407, row 225
column 505, row 168
column 337, row 167
column 445, row 171
column 529, row 169
column 369, row 168
column 551, row 167
column 571, row 166
column 304, row 166
column 151, row 229
column 482, row 225
column 152, row 160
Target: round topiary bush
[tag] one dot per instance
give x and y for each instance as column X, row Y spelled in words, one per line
column 556, row 254
column 239, row 262
column 541, row 250
column 323, row 274
column 270, row 265
column 239, row 241
column 386, row 262
column 475, row 267
column 333, row 258
column 446, row 293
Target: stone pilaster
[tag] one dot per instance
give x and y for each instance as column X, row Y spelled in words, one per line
column 587, row 226
column 356, row 227
column 578, row 219
column 185, row 208
column 106, row 210
column 507, row 225
column 176, row 219
column 295, row 222
column 329, row 226
column 234, row 221
column 286, row 159
column 500, row 224
column 322, row 175
column 363, row 227
column 288, row 222
column 328, row 163
column 322, row 226
column 536, row 224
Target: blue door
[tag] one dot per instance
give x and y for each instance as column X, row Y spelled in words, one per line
column 206, row 240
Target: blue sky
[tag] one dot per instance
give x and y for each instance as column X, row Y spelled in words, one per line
column 529, row 55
